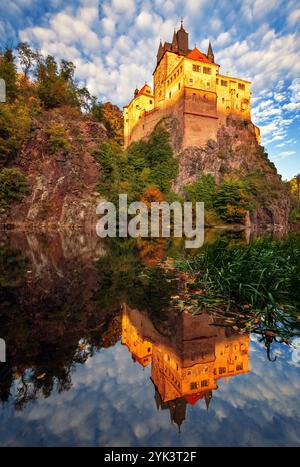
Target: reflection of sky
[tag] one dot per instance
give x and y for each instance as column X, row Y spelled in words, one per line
column 112, row 403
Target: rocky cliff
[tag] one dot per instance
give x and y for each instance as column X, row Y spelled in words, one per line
column 235, row 153
column 61, row 172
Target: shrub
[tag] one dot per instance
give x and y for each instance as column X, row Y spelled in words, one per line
column 13, row 185
column 57, row 138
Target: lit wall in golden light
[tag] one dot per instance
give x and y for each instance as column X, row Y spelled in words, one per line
column 191, row 360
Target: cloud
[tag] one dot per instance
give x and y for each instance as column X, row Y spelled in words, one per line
column 284, row 155
column 293, row 17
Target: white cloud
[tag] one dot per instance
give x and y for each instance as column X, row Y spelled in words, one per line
column 293, row 17
column 284, row 155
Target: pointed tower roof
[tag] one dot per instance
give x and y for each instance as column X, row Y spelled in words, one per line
column 174, row 42
column 210, row 54
column 160, row 51
column 182, row 39
column 208, row 397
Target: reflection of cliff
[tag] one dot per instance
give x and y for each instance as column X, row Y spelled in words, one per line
column 49, row 316
column 185, row 366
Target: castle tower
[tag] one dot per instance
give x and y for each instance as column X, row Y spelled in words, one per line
column 182, row 40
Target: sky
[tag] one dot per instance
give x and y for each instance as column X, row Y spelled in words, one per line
column 113, row 44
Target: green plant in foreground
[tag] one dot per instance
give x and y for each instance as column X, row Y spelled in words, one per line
column 264, row 275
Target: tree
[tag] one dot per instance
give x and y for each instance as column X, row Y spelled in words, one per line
column 203, row 190
column 27, row 57
column 231, row 201
column 8, row 72
column 160, row 160
column 294, row 185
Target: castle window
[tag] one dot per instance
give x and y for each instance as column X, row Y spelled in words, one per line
column 208, row 85
column 223, row 82
column 223, row 100
column 207, row 70
column 191, row 81
column 222, row 370
column 178, row 86
column 150, row 101
column 239, row 367
column 170, row 94
column 204, row 383
column 241, row 86
column 193, row 385
column 217, row 80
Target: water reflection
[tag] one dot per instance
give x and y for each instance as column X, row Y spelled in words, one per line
column 187, row 363
column 66, row 301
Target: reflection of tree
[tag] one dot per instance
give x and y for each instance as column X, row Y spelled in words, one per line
column 12, row 267
column 48, row 326
column 125, row 278
column 52, row 322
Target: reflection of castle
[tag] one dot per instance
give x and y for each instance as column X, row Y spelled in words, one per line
column 187, row 360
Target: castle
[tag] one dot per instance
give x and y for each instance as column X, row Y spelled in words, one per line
column 188, row 86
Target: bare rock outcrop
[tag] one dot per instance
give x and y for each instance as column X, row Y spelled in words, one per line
column 62, row 182
column 236, row 152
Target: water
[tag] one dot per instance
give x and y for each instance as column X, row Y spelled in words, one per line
column 95, row 355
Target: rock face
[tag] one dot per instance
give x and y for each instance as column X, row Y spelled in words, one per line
column 63, row 182
column 235, row 152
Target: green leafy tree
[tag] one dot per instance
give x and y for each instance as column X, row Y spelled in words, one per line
column 203, row 190
column 231, row 201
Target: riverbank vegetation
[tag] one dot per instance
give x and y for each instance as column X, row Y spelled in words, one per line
column 256, row 286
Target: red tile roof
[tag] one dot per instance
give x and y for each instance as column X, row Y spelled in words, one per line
column 195, row 54
column 143, row 89
column 193, row 398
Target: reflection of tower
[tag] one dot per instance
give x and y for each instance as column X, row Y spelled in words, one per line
column 177, row 408
column 186, row 363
